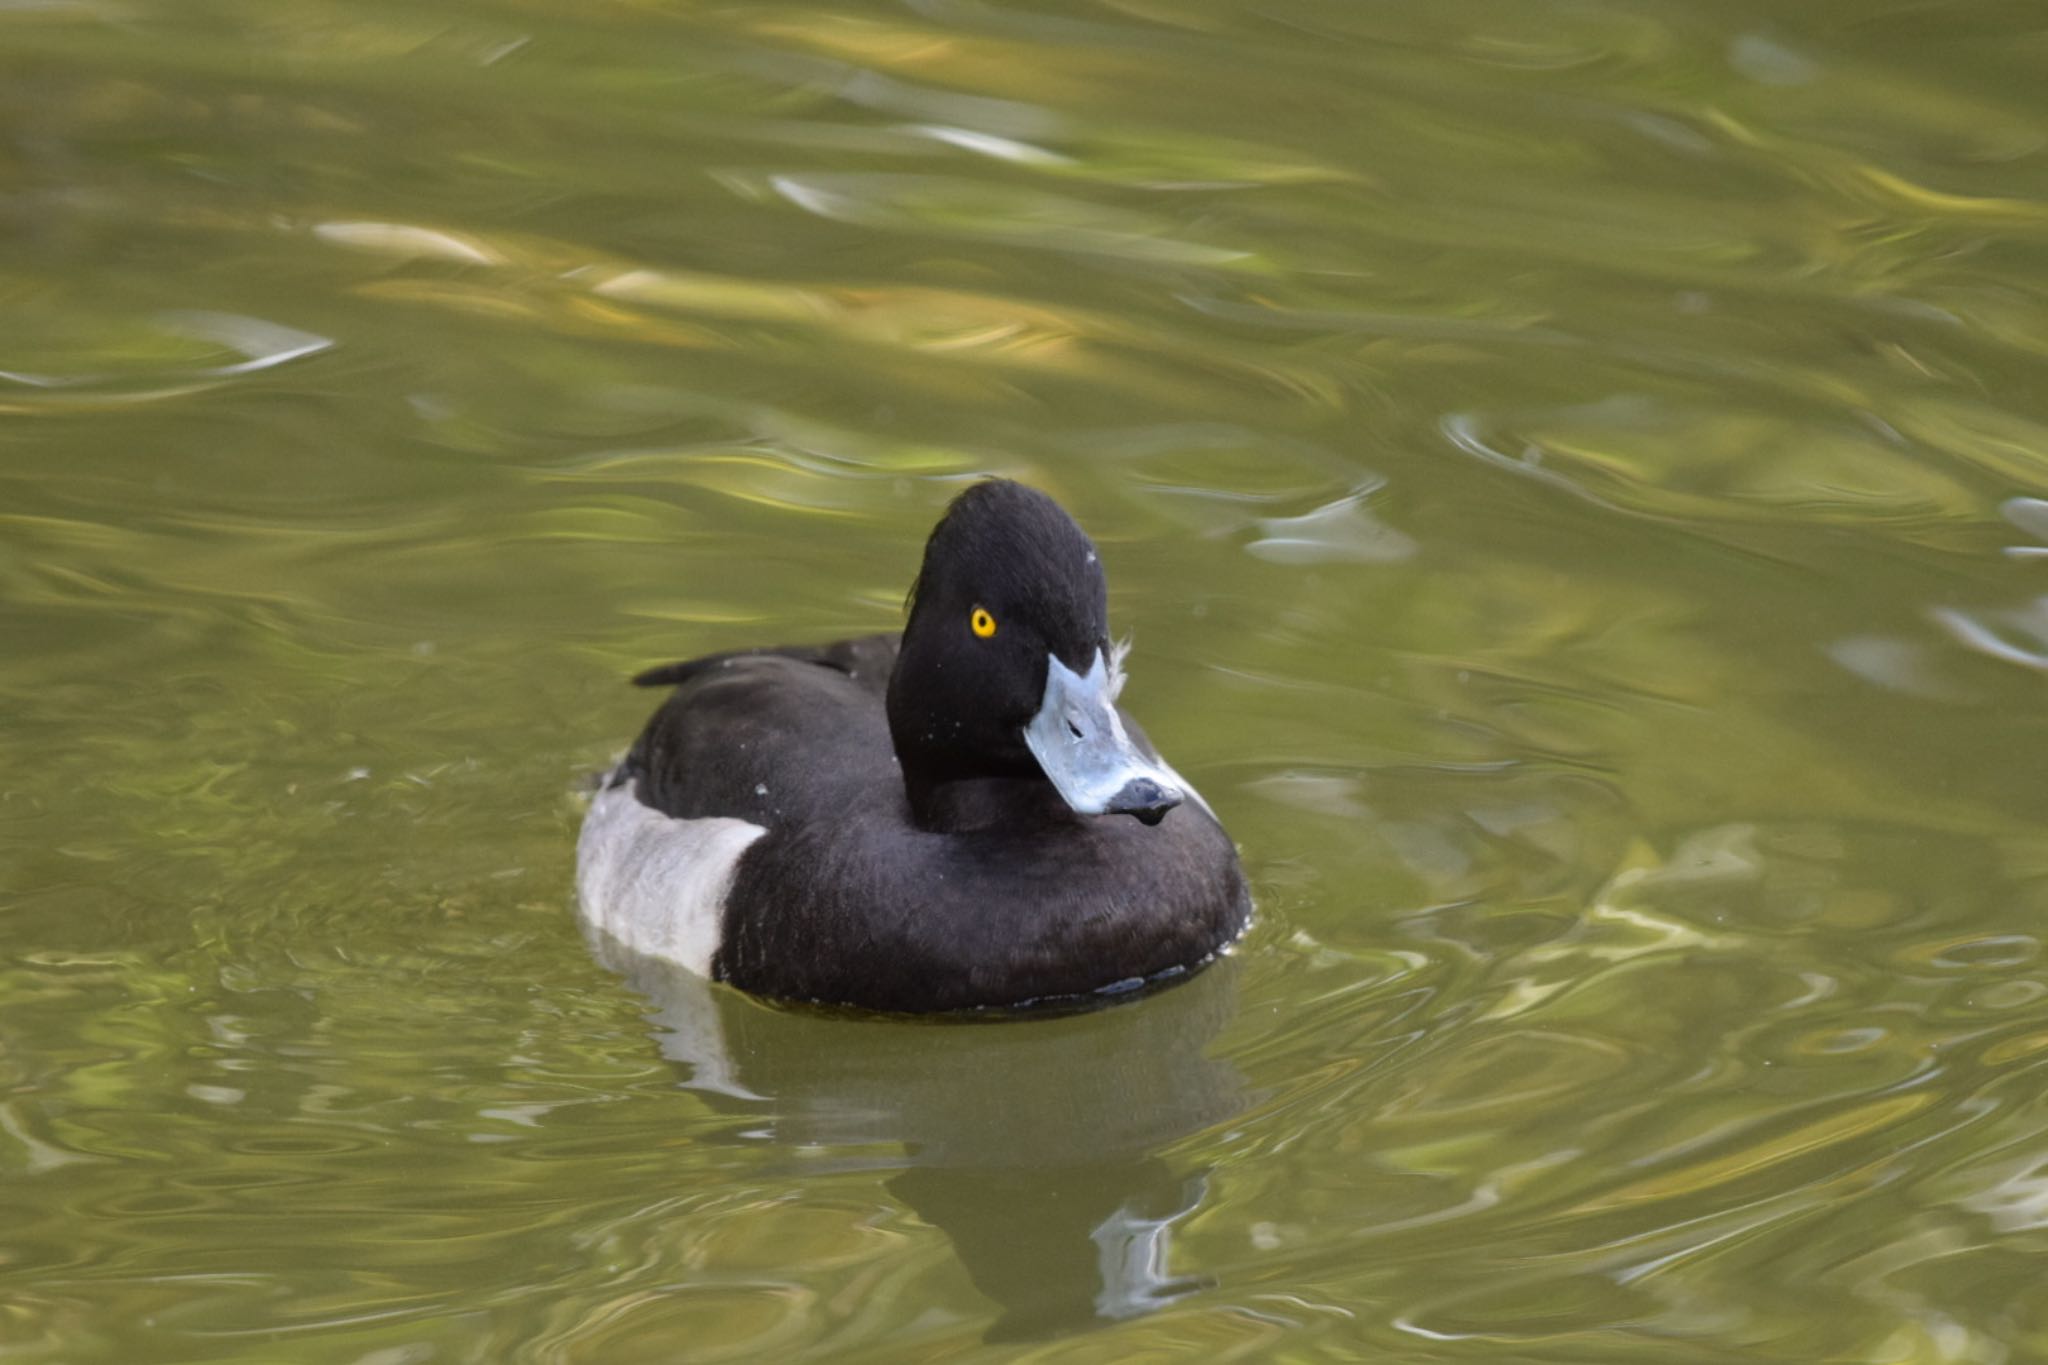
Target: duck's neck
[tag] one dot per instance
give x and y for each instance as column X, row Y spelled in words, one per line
column 961, row 805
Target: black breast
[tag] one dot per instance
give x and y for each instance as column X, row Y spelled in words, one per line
column 845, row 900
column 868, row 910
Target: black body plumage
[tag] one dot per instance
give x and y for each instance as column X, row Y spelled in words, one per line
column 915, row 857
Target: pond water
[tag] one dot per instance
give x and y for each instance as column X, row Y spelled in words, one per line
column 1576, row 474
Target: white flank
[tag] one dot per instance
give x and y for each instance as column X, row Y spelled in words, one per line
column 655, row 883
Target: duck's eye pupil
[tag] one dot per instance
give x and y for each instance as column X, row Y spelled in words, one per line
column 983, row 624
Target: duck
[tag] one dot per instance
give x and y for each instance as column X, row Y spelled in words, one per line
column 958, row 817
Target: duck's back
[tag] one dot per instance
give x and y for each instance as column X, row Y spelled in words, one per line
column 772, row 736
column 758, row 832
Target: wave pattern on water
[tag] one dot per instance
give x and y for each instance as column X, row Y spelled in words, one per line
column 1575, row 476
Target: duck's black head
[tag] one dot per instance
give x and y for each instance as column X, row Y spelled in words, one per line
column 1006, row 669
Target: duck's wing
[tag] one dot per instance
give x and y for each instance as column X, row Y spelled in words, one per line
column 865, row 659
column 767, row 735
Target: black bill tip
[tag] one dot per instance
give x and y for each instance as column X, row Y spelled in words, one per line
column 1144, row 798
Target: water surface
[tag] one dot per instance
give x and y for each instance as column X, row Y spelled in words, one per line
column 1577, row 478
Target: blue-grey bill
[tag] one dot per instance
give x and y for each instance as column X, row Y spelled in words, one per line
column 1080, row 742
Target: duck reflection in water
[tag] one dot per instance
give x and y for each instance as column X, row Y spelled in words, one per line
column 1037, row 1148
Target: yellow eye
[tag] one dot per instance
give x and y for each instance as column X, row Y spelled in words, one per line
column 983, row 624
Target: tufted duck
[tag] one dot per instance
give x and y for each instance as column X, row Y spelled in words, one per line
column 960, row 816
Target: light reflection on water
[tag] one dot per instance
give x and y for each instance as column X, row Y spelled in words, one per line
column 1037, row 1147
column 1574, row 475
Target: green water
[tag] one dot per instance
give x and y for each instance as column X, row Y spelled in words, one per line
column 1572, row 474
